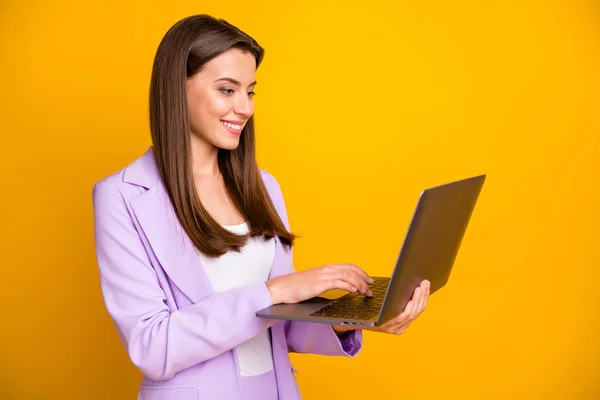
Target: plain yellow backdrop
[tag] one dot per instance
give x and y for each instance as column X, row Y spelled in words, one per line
column 359, row 106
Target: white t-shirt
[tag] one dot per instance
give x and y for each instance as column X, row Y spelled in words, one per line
column 251, row 265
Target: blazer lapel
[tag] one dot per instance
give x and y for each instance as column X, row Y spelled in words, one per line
column 171, row 245
column 169, row 242
column 282, row 261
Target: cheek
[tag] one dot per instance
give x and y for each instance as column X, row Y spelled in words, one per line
column 219, row 107
column 205, row 112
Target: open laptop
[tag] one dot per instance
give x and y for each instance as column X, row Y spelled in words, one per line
column 428, row 252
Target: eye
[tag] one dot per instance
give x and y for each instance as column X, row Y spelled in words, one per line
column 226, row 91
column 251, row 94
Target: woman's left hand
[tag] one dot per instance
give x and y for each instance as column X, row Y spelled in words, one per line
column 398, row 324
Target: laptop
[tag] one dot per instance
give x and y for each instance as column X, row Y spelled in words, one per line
column 428, row 252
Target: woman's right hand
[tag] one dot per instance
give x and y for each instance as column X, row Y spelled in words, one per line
column 303, row 285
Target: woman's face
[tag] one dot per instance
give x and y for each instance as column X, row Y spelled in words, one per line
column 220, row 99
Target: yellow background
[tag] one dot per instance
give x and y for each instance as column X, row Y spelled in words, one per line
column 359, row 106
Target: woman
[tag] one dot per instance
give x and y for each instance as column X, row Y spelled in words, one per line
column 192, row 238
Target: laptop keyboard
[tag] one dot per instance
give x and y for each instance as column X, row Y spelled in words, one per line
column 357, row 305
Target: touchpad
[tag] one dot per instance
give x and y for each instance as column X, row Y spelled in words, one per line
column 303, row 308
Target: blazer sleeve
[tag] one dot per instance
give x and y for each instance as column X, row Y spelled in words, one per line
column 312, row 337
column 160, row 342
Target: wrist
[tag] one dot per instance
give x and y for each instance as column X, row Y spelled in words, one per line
column 341, row 329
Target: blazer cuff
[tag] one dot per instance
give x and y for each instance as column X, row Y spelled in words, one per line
column 351, row 341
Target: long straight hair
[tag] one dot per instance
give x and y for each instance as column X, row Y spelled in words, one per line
column 184, row 50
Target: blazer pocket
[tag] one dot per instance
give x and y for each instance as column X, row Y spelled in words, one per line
column 181, row 392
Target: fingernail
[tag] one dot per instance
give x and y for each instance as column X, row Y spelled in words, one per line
column 354, row 289
column 370, row 293
column 371, row 280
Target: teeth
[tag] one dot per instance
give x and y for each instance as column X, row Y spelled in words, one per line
column 232, row 126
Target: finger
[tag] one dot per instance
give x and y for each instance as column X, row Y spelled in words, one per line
column 416, row 300
column 397, row 329
column 400, row 329
column 360, row 271
column 416, row 309
column 335, row 283
column 421, row 304
column 424, row 297
column 362, row 277
column 388, row 324
column 331, row 281
column 403, row 323
column 390, row 327
column 399, row 324
column 355, row 280
column 403, row 317
column 415, row 293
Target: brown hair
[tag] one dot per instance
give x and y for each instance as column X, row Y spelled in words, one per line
column 183, row 51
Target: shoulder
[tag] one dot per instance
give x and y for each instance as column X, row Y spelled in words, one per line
column 130, row 181
column 268, row 178
column 272, row 185
column 112, row 183
column 276, row 195
column 114, row 186
column 111, row 193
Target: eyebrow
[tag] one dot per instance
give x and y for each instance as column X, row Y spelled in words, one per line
column 235, row 82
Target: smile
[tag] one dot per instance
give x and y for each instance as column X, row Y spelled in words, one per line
column 233, row 127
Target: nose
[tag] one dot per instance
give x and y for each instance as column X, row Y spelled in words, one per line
column 244, row 105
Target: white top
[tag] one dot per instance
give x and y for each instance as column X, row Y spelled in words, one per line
column 251, row 265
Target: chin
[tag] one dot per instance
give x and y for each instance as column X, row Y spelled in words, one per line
column 229, row 144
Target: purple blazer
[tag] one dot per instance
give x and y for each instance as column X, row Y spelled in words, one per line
column 175, row 328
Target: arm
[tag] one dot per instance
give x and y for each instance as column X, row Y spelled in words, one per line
column 318, row 338
column 312, row 337
column 159, row 342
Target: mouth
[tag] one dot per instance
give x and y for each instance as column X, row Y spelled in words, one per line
column 232, row 128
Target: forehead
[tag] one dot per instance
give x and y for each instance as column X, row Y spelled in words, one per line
column 233, row 63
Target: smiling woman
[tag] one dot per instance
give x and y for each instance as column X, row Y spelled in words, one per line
column 192, row 238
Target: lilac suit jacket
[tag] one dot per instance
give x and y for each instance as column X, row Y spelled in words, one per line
column 176, row 329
